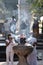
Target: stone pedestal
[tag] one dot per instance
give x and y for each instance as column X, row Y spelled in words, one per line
column 22, row 52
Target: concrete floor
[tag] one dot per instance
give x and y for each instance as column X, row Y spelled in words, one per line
column 15, row 63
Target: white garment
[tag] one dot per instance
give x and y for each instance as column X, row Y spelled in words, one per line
column 32, row 58
column 9, row 52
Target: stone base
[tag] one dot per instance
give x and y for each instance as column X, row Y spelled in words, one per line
column 22, row 61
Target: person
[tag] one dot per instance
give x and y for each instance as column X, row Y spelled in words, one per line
column 13, row 19
column 32, row 58
column 22, row 39
column 13, row 24
column 9, row 51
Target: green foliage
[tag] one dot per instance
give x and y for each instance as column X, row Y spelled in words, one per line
column 36, row 5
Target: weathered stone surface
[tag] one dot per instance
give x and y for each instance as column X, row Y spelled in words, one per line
column 22, row 52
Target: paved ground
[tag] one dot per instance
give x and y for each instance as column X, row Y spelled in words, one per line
column 15, row 63
column 4, row 63
column 40, row 62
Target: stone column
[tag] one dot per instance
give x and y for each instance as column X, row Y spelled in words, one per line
column 18, row 22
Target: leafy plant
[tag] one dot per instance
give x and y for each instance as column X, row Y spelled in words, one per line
column 36, row 6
